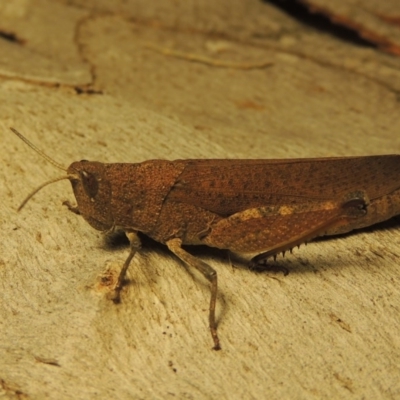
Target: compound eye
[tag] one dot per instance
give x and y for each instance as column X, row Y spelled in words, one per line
column 90, row 183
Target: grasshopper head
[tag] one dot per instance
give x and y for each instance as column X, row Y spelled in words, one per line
column 91, row 188
column 92, row 191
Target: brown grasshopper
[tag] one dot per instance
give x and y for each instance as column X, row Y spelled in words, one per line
column 246, row 206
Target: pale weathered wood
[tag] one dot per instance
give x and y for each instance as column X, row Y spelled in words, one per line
column 328, row 330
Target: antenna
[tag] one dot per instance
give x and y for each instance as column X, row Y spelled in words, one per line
column 40, row 152
column 47, row 158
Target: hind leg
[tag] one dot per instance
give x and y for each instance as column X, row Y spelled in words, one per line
column 275, row 229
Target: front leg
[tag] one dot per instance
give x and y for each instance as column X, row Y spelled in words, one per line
column 135, row 245
column 209, row 273
column 72, row 208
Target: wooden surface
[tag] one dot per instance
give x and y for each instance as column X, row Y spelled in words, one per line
column 374, row 20
column 330, row 329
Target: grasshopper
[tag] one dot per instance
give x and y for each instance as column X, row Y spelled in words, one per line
column 245, row 206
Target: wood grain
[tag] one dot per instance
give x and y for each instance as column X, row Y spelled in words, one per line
column 327, row 330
